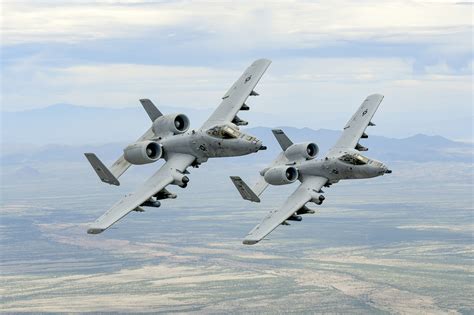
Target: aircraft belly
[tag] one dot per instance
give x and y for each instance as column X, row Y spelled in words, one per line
column 214, row 147
column 179, row 144
column 317, row 170
column 330, row 169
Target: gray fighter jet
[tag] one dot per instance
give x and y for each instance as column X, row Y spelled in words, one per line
column 297, row 162
column 168, row 138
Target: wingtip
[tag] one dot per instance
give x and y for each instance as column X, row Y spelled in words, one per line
column 95, row 230
column 263, row 60
column 377, row 95
column 249, row 242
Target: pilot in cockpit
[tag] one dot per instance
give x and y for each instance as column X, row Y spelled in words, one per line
column 224, row 132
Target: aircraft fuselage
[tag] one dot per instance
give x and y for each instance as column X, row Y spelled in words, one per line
column 334, row 169
column 202, row 145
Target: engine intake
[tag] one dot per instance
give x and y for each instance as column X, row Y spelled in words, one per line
column 174, row 123
column 142, row 152
column 281, row 175
column 305, row 150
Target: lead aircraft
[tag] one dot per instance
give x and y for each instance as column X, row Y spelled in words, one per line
column 297, row 162
column 168, row 138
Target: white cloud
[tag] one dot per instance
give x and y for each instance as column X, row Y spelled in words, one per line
column 298, row 84
column 250, row 23
column 115, row 85
column 436, row 31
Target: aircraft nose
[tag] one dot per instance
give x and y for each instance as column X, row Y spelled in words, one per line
column 260, row 146
column 386, row 170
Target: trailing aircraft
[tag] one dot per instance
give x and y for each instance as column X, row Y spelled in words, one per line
column 298, row 162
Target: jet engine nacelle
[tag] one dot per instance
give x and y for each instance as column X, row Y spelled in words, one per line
column 174, row 123
column 142, row 152
column 306, row 150
column 281, row 175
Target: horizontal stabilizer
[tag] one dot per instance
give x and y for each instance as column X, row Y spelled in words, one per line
column 102, row 171
column 244, row 190
column 151, row 109
column 282, row 139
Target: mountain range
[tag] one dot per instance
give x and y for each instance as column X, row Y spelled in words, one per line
column 418, row 148
column 80, row 125
column 63, row 132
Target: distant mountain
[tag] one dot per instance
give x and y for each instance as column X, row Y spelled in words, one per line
column 79, row 125
column 420, row 148
column 73, row 125
column 27, row 172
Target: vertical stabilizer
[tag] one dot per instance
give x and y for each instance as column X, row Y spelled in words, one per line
column 150, row 108
column 102, row 171
column 245, row 191
column 282, row 139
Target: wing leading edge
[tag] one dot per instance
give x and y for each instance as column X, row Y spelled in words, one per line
column 355, row 127
column 167, row 174
column 234, row 99
column 307, row 190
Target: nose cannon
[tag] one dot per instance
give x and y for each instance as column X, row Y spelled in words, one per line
column 386, row 170
column 260, row 145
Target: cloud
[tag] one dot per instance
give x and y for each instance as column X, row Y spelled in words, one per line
column 116, row 85
column 33, row 21
column 301, row 82
column 187, row 53
column 299, row 23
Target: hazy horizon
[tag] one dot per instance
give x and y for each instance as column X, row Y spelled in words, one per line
column 72, row 74
column 65, row 114
column 326, row 57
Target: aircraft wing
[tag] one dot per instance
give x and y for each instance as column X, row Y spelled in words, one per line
column 234, row 99
column 167, row 174
column 355, row 127
column 307, row 190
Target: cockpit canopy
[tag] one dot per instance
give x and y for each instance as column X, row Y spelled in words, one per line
column 230, row 132
column 358, row 159
column 224, row 132
column 354, row 159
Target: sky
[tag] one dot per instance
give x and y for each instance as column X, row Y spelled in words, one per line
column 327, row 55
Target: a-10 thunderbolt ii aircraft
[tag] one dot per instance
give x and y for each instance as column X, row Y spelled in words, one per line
column 297, row 162
column 168, row 138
